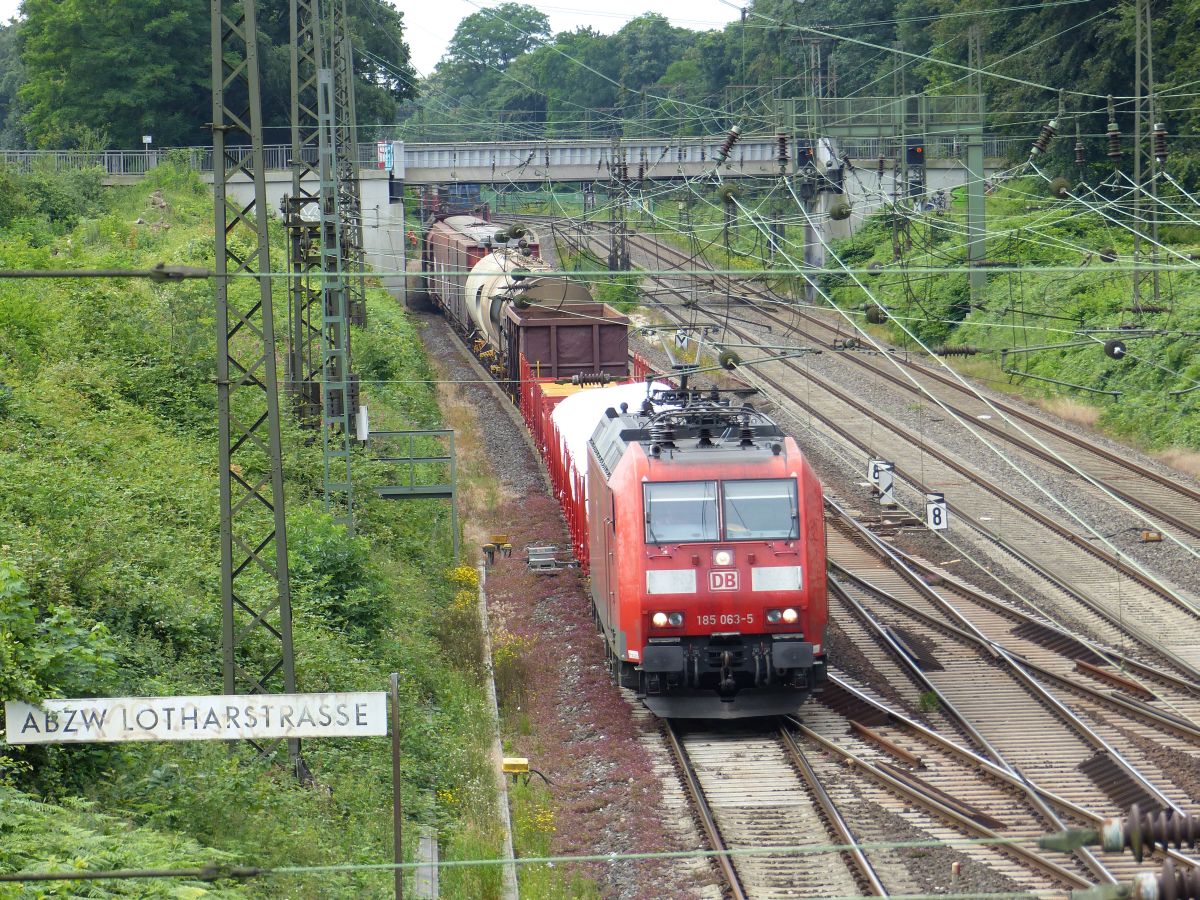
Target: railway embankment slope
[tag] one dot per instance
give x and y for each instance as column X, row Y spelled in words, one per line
column 109, row 565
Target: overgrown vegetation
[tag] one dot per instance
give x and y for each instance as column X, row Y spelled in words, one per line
column 109, row 571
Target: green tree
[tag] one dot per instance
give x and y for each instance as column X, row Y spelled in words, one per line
column 381, row 62
column 486, row 43
column 12, row 73
column 134, row 67
column 647, row 45
column 130, row 67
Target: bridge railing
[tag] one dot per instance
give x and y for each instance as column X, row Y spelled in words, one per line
column 139, row 162
column 505, row 156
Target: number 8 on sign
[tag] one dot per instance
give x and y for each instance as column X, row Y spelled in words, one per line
column 937, row 517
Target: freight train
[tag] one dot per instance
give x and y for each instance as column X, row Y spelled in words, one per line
column 698, row 521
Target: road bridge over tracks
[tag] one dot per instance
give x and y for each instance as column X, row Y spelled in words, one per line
column 386, row 167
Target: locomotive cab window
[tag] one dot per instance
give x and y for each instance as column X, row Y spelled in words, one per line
column 681, row 511
column 761, row 510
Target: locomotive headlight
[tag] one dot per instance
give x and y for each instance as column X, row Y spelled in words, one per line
column 659, row 620
column 676, row 619
column 722, row 556
column 774, row 616
column 790, row 615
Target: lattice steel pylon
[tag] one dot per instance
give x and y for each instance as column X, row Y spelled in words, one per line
column 338, row 395
column 256, row 620
column 301, row 210
column 345, row 122
column 1145, row 162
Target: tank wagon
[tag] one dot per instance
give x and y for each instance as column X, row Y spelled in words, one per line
column 699, row 522
column 496, row 290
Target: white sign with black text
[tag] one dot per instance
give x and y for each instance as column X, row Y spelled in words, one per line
column 937, row 516
column 873, row 470
column 210, row 718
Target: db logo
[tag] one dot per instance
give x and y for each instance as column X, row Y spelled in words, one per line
column 723, row 581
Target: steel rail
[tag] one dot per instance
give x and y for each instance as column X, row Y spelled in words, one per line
column 990, row 767
column 907, row 663
column 830, row 810
column 913, row 568
column 1146, row 504
column 707, row 821
column 1182, row 727
column 1018, row 671
column 925, row 570
column 937, row 806
column 1095, row 606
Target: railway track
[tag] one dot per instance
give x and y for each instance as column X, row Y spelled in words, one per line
column 1117, row 596
column 1005, row 700
column 1064, row 747
column 1065, row 732
column 897, row 752
column 759, row 790
column 1166, row 500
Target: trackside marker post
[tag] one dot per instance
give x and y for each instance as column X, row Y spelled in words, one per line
column 885, row 481
column 937, row 515
column 873, row 470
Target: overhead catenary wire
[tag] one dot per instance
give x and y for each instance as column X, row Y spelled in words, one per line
column 1010, row 422
column 217, row 872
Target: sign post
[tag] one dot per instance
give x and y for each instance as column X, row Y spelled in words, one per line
column 397, row 843
column 221, row 717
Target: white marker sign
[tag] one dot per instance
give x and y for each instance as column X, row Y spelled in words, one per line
column 884, row 478
column 873, row 470
column 214, row 718
column 937, row 516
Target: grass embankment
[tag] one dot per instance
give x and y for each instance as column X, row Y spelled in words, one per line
column 1029, row 229
column 109, row 572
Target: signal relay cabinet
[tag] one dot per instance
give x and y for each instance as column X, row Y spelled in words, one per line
column 576, row 339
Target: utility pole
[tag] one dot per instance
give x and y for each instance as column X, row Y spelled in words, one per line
column 976, row 231
column 975, row 58
column 618, row 249
column 1145, row 160
column 900, row 91
column 256, row 626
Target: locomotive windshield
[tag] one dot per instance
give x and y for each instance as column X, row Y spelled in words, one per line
column 681, row 511
column 761, row 510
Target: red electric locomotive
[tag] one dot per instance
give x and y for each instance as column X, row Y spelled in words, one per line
column 706, row 542
column 700, row 523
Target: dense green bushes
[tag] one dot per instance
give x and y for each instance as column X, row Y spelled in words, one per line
column 109, row 566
